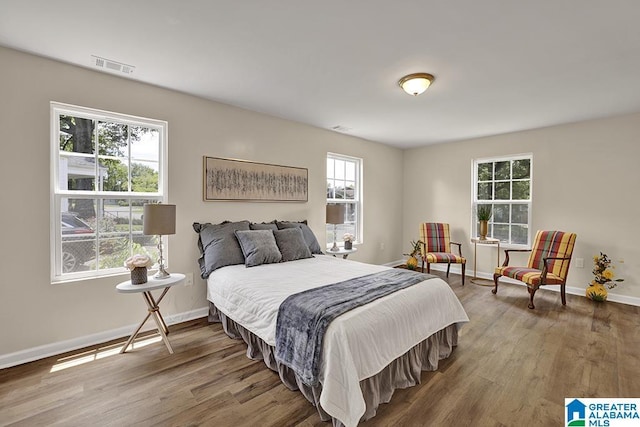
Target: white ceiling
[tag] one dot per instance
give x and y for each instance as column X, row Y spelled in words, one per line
column 500, row 65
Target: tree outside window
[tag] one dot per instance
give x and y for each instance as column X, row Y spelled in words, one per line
column 344, row 187
column 106, row 166
column 505, row 185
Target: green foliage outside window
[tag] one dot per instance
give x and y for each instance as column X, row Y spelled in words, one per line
column 99, row 155
column 505, row 186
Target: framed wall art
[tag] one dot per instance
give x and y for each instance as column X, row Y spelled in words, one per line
column 241, row 180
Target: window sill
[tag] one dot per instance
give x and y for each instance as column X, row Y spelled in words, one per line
column 514, row 247
column 341, row 246
column 71, row 280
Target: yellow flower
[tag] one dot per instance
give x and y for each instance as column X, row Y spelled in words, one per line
column 596, row 258
column 607, row 274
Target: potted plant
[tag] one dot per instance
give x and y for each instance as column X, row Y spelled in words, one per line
column 602, row 278
column 484, row 213
column 348, row 240
column 138, row 264
column 412, row 262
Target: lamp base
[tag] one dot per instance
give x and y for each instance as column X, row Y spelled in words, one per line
column 162, row 273
column 335, row 247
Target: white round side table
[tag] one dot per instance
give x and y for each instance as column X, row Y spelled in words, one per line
column 152, row 304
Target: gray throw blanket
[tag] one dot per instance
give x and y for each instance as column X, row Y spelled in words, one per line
column 304, row 317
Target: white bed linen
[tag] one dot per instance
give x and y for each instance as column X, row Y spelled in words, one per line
column 395, row 323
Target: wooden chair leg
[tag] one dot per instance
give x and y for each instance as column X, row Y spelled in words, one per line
column 463, row 268
column 563, row 294
column 448, row 267
column 428, row 267
column 532, row 292
column 495, row 281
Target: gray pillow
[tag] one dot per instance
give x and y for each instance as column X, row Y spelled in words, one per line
column 259, row 247
column 292, row 245
column 218, row 245
column 263, row 226
column 309, row 237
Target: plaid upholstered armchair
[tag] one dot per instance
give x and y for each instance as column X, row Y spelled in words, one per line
column 548, row 263
column 436, row 247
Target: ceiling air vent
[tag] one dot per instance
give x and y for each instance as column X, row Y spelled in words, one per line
column 108, row 64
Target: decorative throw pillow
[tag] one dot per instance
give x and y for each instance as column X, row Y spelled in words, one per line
column 259, row 247
column 309, row 237
column 218, row 245
column 291, row 243
column 263, row 226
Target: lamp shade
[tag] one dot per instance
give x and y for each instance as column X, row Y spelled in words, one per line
column 335, row 214
column 159, row 219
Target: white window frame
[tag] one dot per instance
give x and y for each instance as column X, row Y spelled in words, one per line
column 475, row 202
column 57, row 193
column 358, row 191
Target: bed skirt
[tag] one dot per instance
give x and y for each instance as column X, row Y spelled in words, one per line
column 402, row 372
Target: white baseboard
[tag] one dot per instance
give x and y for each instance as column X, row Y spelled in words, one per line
column 394, row 263
column 40, row 352
column 572, row 290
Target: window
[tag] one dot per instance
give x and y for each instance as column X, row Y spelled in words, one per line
column 105, row 166
column 344, row 186
column 505, row 184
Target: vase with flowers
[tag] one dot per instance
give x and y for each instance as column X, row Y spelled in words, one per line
column 602, row 278
column 138, row 264
column 412, row 261
column 348, row 240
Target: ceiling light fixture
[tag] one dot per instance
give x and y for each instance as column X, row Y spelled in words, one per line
column 416, row 83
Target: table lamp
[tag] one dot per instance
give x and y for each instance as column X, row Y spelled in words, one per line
column 159, row 219
column 335, row 216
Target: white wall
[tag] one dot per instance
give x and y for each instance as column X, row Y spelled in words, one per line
column 34, row 312
column 585, row 180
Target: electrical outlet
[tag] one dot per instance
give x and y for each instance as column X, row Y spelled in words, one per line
column 579, row 262
column 382, row 246
column 188, row 279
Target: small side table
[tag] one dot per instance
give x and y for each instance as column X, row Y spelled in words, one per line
column 341, row 251
column 152, row 304
column 477, row 241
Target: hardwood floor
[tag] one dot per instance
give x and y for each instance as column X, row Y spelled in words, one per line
column 513, row 366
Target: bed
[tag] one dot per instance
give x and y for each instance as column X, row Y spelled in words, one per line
column 367, row 352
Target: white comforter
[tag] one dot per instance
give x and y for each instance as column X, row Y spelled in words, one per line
column 394, row 323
